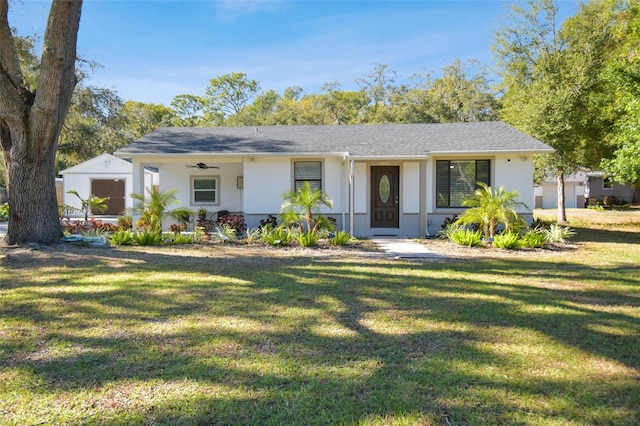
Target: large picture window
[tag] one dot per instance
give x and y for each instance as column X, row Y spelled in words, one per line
column 456, row 180
column 205, row 190
column 307, row 171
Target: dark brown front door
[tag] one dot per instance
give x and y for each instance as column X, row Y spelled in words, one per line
column 112, row 189
column 385, row 206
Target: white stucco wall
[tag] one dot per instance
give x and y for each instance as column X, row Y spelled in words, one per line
column 410, row 187
column 178, row 177
column 515, row 173
column 266, row 179
column 360, row 188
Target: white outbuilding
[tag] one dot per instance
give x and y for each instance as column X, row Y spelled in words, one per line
column 104, row 176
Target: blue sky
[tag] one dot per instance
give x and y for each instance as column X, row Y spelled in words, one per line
column 153, row 50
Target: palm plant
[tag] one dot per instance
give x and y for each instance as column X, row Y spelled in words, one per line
column 299, row 207
column 152, row 208
column 490, row 208
column 89, row 205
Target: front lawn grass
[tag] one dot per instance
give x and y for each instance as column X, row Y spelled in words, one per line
column 239, row 335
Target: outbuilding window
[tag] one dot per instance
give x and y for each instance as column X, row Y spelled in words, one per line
column 456, row 180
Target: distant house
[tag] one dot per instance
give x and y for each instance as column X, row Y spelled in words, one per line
column 581, row 189
column 103, row 176
column 395, row 179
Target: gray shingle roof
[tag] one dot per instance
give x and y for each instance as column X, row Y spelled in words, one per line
column 384, row 140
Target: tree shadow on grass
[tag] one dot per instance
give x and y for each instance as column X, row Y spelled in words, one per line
column 277, row 340
column 605, row 236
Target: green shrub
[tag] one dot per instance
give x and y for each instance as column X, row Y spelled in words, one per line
column 125, row 222
column 226, row 233
column 93, row 232
column 508, row 240
column 180, row 239
column 558, row 234
column 280, row 236
column 253, row 235
column 198, row 234
column 308, row 239
column 4, row 212
column 340, row 238
column 123, row 237
column 448, row 229
column 534, row 239
column 148, row 238
column 466, row 237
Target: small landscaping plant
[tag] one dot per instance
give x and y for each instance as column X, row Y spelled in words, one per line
column 148, row 238
column 88, row 206
column 94, row 232
column 507, row 240
column 198, row 234
column 177, row 228
column 270, row 222
column 123, row 237
column 252, row 236
column 226, row 233
column 340, row 238
column 153, row 208
column 557, row 234
column 489, row 208
column 308, row 239
column 179, row 239
column 280, row 236
column 534, row 238
column 299, row 209
column 450, row 228
column 466, row 237
column 125, row 222
column 234, row 221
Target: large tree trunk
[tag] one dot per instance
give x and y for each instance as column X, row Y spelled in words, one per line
column 562, row 211
column 32, row 194
column 30, row 123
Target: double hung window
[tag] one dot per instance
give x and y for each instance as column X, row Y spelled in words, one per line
column 307, row 171
column 204, row 189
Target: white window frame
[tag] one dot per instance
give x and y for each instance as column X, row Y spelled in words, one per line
column 216, row 190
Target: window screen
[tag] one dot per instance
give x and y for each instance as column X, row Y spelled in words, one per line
column 307, row 171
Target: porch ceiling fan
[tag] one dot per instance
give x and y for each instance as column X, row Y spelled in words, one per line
column 201, row 166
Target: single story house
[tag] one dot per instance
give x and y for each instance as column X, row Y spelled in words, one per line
column 389, row 179
column 581, row 189
column 103, row 176
column 546, row 193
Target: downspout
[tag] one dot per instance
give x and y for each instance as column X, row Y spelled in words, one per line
column 344, row 193
column 351, row 195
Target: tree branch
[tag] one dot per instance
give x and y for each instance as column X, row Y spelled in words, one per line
column 57, row 74
column 11, row 79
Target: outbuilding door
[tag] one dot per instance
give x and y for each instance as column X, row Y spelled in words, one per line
column 385, row 189
column 113, row 189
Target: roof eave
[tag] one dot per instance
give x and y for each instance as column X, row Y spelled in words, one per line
column 231, row 154
column 495, row 151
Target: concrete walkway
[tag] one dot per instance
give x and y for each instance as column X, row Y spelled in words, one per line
column 404, row 248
